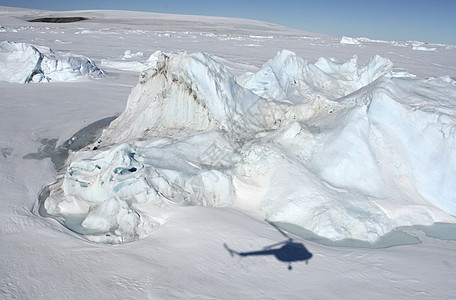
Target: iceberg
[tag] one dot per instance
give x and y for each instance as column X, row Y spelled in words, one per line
column 26, row 63
column 343, row 150
column 349, row 41
column 291, row 79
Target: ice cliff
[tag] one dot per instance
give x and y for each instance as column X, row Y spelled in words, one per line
column 343, row 150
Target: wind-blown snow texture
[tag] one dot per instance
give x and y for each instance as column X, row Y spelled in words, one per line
column 346, row 151
column 25, row 63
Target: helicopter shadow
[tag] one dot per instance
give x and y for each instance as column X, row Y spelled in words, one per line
column 289, row 251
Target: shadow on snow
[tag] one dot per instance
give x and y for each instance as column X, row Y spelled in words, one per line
column 289, row 251
column 81, row 139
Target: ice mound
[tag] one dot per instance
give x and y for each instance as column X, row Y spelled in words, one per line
column 175, row 142
column 25, row 63
column 190, row 92
column 108, row 196
column 349, row 41
column 128, row 54
column 345, row 151
column 291, row 79
column 385, row 162
column 421, row 48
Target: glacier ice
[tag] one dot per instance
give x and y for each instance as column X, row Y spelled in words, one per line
column 25, row 63
column 349, row 41
column 346, row 151
column 291, row 79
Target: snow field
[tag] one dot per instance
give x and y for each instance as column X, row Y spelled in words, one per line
column 180, row 253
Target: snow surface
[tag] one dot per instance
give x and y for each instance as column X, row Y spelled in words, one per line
column 348, row 145
column 127, row 63
column 25, row 63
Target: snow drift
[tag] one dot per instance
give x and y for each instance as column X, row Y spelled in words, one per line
column 25, row 63
column 346, row 151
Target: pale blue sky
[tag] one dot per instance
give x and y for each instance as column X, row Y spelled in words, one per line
column 428, row 21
